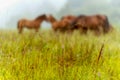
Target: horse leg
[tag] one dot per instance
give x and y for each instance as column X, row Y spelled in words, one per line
column 97, row 31
column 105, row 29
column 69, row 31
column 84, row 30
column 20, row 29
column 37, row 29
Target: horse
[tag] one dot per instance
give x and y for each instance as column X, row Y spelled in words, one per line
column 57, row 25
column 74, row 25
column 93, row 22
column 69, row 19
column 31, row 24
column 105, row 23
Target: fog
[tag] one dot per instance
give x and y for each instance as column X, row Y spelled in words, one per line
column 13, row 10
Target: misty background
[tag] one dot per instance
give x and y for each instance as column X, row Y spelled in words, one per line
column 13, row 10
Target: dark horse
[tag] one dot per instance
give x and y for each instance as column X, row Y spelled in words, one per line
column 69, row 19
column 31, row 24
column 94, row 22
column 58, row 25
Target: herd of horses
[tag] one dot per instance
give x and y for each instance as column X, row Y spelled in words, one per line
column 97, row 23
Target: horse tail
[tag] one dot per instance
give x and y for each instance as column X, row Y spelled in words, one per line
column 18, row 24
column 105, row 22
column 106, row 25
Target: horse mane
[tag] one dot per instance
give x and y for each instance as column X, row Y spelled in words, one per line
column 40, row 17
column 81, row 16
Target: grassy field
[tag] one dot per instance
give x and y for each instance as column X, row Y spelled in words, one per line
column 49, row 56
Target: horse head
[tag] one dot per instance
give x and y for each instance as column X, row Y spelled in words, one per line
column 51, row 19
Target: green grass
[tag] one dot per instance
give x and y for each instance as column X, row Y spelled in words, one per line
column 50, row 56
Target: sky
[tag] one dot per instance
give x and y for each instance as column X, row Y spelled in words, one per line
column 5, row 4
column 16, row 8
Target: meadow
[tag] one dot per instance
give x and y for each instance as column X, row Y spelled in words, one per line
column 54, row 56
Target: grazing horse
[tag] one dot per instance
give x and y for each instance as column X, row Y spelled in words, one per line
column 58, row 25
column 94, row 22
column 31, row 24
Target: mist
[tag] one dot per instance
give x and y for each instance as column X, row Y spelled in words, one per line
column 13, row 10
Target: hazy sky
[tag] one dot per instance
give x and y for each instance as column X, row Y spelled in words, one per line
column 5, row 4
column 10, row 8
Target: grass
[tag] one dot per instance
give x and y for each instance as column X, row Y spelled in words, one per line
column 49, row 56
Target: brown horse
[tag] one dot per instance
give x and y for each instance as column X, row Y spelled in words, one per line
column 94, row 22
column 31, row 24
column 69, row 18
column 58, row 25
